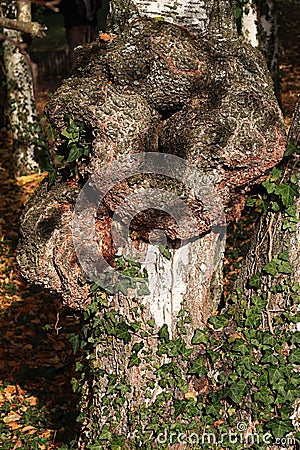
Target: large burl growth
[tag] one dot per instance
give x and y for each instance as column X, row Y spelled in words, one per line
column 153, row 88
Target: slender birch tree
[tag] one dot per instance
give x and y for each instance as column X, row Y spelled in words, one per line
column 21, row 108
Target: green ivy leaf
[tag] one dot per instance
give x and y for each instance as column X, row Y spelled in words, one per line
column 105, row 435
column 219, row 321
column 164, row 334
column 179, row 407
column 280, row 428
column 284, row 256
column 66, row 133
column 259, row 303
column 270, row 187
column 295, row 339
column 291, row 211
column 275, row 174
column 268, row 339
column 165, row 251
column 240, row 347
column 271, row 268
column 198, row 368
column 294, row 179
column 143, row 289
column 274, row 375
column 275, row 206
column 291, row 149
column 236, row 391
column 255, row 281
column 238, row 13
column 74, row 339
column 280, row 387
column 291, row 395
column 75, row 384
column 137, row 347
column 294, row 357
column 75, row 153
column 269, row 359
column 264, row 395
column 134, row 361
column 122, row 332
column 200, row 337
column 285, row 267
column 286, row 193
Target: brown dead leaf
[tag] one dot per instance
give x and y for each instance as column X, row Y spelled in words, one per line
column 11, row 418
column 29, row 430
column 106, row 37
column 14, row 425
column 47, row 434
column 34, row 177
column 58, row 345
column 18, row 444
column 218, row 422
column 190, row 395
column 33, row 401
column 9, row 390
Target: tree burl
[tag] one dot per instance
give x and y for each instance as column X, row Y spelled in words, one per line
column 153, row 88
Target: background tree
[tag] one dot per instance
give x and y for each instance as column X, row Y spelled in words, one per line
column 21, row 109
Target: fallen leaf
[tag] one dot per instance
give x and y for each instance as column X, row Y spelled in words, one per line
column 18, row 444
column 14, row 425
column 12, row 417
column 33, row 401
column 218, row 422
column 106, row 37
column 29, row 430
column 190, row 395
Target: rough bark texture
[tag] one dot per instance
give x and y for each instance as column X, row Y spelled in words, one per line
column 269, row 240
column 154, row 88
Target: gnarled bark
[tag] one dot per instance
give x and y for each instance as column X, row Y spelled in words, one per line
column 155, row 89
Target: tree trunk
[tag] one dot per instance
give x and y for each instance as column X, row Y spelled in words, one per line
column 21, row 109
column 272, row 267
column 200, row 117
column 260, row 28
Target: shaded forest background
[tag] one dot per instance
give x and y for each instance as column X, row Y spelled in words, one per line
column 37, row 405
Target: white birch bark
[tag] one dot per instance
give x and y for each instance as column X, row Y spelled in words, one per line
column 190, row 13
column 268, row 38
column 260, row 29
column 196, row 15
column 20, row 95
column 249, row 25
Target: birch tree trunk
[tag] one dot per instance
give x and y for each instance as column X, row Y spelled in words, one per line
column 260, row 28
column 166, row 127
column 122, row 391
column 21, row 109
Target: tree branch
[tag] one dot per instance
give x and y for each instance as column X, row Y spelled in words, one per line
column 32, row 28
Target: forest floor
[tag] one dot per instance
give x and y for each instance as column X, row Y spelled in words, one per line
column 37, row 405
